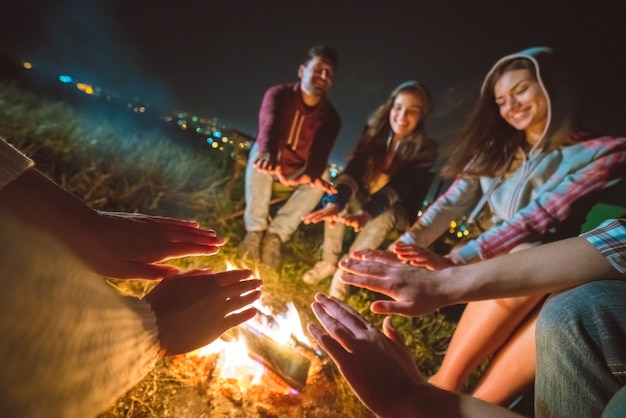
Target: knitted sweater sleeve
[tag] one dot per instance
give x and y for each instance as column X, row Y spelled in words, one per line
column 70, row 344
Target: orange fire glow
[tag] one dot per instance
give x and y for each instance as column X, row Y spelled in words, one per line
column 235, row 362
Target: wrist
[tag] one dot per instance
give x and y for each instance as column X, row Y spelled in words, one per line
column 417, row 401
column 450, row 286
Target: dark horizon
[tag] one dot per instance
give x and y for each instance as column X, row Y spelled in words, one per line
column 216, row 60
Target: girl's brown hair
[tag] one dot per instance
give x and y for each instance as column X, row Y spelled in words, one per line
column 486, row 142
column 373, row 142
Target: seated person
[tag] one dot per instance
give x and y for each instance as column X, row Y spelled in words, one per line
column 298, row 127
column 581, row 356
column 383, row 184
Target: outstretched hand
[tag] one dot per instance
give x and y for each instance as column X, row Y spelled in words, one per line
column 377, row 366
column 113, row 244
column 415, row 291
column 195, row 308
column 129, row 245
column 420, row 257
column 264, row 163
column 326, row 186
column 322, row 184
column 328, row 213
column 357, row 221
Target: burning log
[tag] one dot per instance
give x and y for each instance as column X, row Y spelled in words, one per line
column 287, row 363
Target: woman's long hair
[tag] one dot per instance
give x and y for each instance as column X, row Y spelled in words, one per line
column 373, row 141
column 486, row 142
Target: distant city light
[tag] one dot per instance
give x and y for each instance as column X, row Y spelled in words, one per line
column 194, row 118
column 85, row 88
column 217, row 134
column 209, row 140
column 215, row 145
column 66, row 79
column 27, row 65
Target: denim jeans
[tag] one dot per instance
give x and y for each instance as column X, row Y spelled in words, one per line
column 370, row 237
column 581, row 351
column 258, row 191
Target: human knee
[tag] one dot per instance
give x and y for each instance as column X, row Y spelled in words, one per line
column 383, row 223
column 590, row 310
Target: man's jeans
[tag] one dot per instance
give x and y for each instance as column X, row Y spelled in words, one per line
column 259, row 194
column 370, row 237
column 581, row 351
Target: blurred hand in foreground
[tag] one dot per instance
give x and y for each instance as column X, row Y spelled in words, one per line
column 415, row 291
column 195, row 308
column 376, row 364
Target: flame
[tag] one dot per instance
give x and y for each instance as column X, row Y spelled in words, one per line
column 234, row 359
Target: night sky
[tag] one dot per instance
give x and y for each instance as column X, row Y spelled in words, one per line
column 216, row 59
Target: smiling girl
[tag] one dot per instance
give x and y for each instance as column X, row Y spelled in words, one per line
column 524, row 160
column 384, row 183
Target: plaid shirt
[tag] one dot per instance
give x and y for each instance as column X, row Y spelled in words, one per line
column 610, row 239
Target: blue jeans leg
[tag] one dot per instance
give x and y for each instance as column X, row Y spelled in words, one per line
column 258, row 189
column 374, row 233
column 301, row 202
column 581, row 350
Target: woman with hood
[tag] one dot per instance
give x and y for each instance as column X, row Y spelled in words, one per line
column 522, row 159
column 384, row 183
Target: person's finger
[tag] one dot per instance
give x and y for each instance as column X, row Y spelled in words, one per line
column 375, row 284
column 390, row 307
column 179, row 223
column 236, row 318
column 379, row 256
column 341, row 310
column 390, row 331
column 197, row 236
column 334, row 327
column 364, row 267
column 136, row 270
column 226, row 278
column 335, row 350
column 194, row 272
column 238, row 302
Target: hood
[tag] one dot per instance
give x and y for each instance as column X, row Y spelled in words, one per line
column 425, row 94
column 554, row 81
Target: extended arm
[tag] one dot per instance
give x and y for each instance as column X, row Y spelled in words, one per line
column 382, row 372
column 547, row 268
column 121, row 245
column 71, row 341
column 602, row 166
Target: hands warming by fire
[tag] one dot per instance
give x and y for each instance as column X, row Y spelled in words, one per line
column 414, row 291
column 330, row 213
column 195, row 308
column 266, row 164
column 376, row 364
column 112, row 244
column 129, row 245
column 420, row 257
column 191, row 309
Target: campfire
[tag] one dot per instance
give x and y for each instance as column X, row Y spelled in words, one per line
column 271, row 350
column 265, row 368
